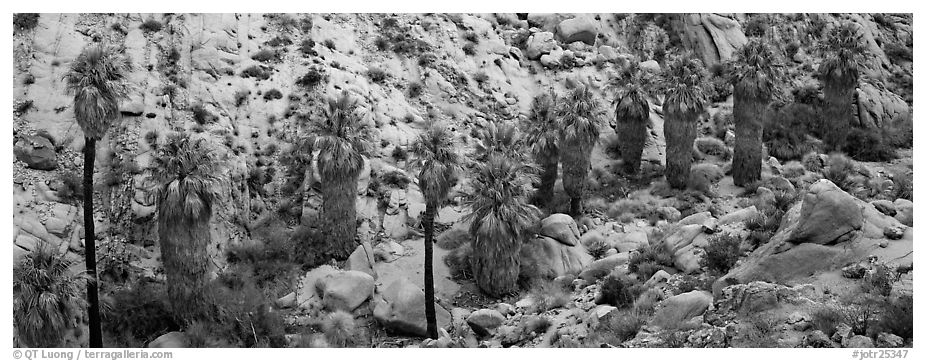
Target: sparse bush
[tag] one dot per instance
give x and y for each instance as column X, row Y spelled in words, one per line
column 151, row 138
column 329, row 44
column 548, row 296
column 756, row 26
column 267, row 56
column 340, row 329
column 879, row 281
column 615, row 291
column 621, row 326
column 786, row 129
column 150, row 26
column 241, row 97
column 47, row 297
column 381, row 43
column 655, row 252
column 840, row 170
column 480, row 77
column 427, row 59
column 713, row 146
column 867, row 145
column 377, row 75
column 826, row 319
column 201, row 115
column 256, row 71
column 399, row 154
column 903, row 186
column 278, row 41
column 415, row 89
column 273, row 94
column 396, row 179
column 721, row 253
column 646, row 270
column 23, row 107
column 243, row 315
column 459, row 261
column 70, row 187
column 469, row 49
column 812, row 162
column 897, row 317
column 25, row 21
column 139, row 313
column 311, row 79
column 598, row 248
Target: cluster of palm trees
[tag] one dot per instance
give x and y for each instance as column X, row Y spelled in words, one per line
column 505, row 181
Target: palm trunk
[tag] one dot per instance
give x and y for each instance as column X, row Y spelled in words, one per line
column 339, row 207
column 576, row 161
column 429, row 311
column 184, row 245
column 631, row 136
column 680, row 129
column 93, row 300
column 837, row 100
column 550, row 163
column 748, row 113
column 496, row 263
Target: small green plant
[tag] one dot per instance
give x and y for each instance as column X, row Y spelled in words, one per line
column 903, row 186
column 377, row 75
column 329, row 44
column 469, row 49
column 311, row 79
column 616, row 291
column 481, row 77
column 47, row 297
column 713, row 146
column 201, row 115
column 826, row 319
column 721, row 253
column 839, row 171
column 399, row 153
column 151, row 26
column 655, row 253
column 273, row 94
column 867, row 145
column 256, row 71
column 70, row 187
column 415, row 89
column 307, row 47
column 547, row 295
column 340, row 329
column 267, row 56
column 278, row 41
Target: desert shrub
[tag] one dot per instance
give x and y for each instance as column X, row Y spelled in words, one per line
column 635, row 207
column 615, row 291
column 621, row 326
column 47, row 297
column 23, row 106
column 459, row 261
column 879, row 281
column 243, row 315
column 713, row 146
column 840, row 170
column 151, row 26
column 792, row 48
column 201, row 115
column 25, row 21
column 756, row 26
column 867, row 145
column 241, row 97
column 307, row 47
column 785, row 131
column 70, row 187
column 598, row 247
column 399, row 153
column 646, row 270
column 270, row 264
column 897, row 317
column 812, row 162
column 469, row 49
column 266, row 56
column 480, row 77
column 548, row 296
column 415, row 89
column 649, row 41
column 273, row 94
column 202, row 335
column 898, row 53
column 139, row 313
column 328, row 43
column 395, row 179
column 859, row 311
column 114, row 262
column 256, row 71
column 278, row 41
column 903, row 186
column 427, row 59
column 151, row 138
column 311, row 79
column 721, row 253
column 340, row 329
column 381, row 43
column 826, row 319
column 377, row 75
column 654, row 253
column 310, row 245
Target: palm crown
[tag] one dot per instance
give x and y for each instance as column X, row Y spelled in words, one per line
column 684, row 82
column 342, row 139
column 438, row 160
column 97, row 79
column 757, row 70
column 542, row 128
column 845, row 54
column 185, row 175
column 631, row 87
column 500, row 138
column 578, row 116
column 499, row 198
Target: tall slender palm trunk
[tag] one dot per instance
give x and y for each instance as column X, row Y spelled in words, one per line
column 576, row 162
column 184, row 244
column 631, row 137
column 93, row 297
column 429, row 311
column 549, row 161
column 339, row 205
column 837, row 99
column 748, row 113
column 680, row 130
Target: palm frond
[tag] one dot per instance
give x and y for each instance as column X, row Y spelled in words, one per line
column 685, row 84
column 541, row 127
column 342, row 139
column 438, row 161
column 98, row 81
column 185, row 176
column 579, row 115
column 845, row 53
column 757, row 70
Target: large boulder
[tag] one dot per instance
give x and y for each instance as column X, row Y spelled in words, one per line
column 37, row 152
column 560, row 227
column 682, row 307
column 362, row 260
column 904, row 211
column 879, row 107
column 602, row 267
column 713, row 37
column 539, row 44
column 401, row 309
column 556, row 258
column 580, row 28
column 485, row 321
column 175, row 339
column 739, row 216
column 346, row 290
column 828, row 215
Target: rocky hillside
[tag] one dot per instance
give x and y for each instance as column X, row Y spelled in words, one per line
column 251, row 83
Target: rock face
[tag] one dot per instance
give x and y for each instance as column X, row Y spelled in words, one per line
column 682, row 307
column 713, row 37
column 828, row 214
column 485, row 321
column 904, row 211
column 401, row 309
column 37, row 152
column 560, row 227
column 345, row 291
column 173, row 339
column 603, row 267
column 558, row 259
column 577, row 29
column 539, row 44
column 878, row 107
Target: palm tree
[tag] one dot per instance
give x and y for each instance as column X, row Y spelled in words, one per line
column 500, row 217
column 342, row 140
column 439, row 162
column 184, row 176
column 578, row 115
column 631, row 114
column 97, row 79
column 543, row 138
column 755, row 75
column 47, row 298
column 684, row 82
column 498, row 138
column 844, row 55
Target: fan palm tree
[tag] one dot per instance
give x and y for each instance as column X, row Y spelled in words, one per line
column 498, row 138
column 46, row 298
column 684, row 83
column 439, row 162
column 579, row 115
column 500, row 219
column 184, row 176
column 543, row 138
column 755, row 73
column 844, row 55
column 97, row 80
column 631, row 114
column 342, row 140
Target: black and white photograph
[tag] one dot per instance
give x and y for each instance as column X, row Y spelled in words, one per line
column 461, row 180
